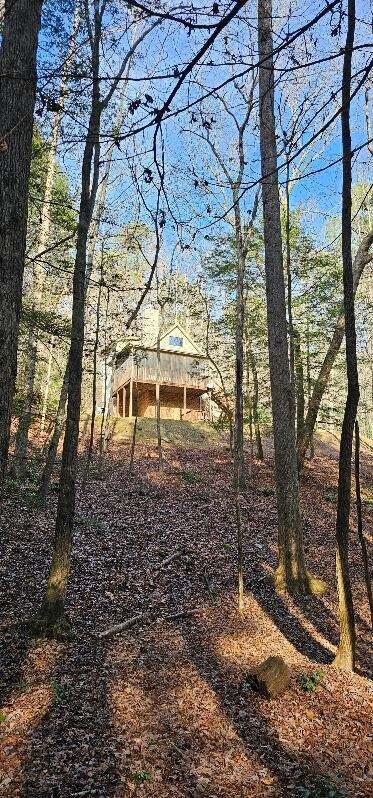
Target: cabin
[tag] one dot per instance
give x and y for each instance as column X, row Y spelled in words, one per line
column 180, row 377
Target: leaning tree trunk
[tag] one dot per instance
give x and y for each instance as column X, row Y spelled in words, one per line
column 55, row 439
column 362, row 258
column 291, row 572
column 41, row 245
column 20, row 32
column 345, row 657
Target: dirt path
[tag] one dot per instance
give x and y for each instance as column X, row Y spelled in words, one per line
column 165, row 709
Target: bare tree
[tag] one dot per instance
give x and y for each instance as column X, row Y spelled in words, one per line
column 291, row 572
column 345, row 657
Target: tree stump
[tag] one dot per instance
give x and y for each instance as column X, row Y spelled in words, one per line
column 271, row 677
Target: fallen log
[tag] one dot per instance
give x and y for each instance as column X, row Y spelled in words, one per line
column 271, row 677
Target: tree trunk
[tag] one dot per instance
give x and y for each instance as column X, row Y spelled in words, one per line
column 94, row 389
column 309, row 386
column 249, row 406
column 52, row 610
column 291, row 572
column 55, row 439
column 364, row 552
column 41, row 245
column 255, row 403
column 362, row 258
column 47, row 386
column 20, row 451
column 17, row 101
column 345, row 657
column 133, row 444
column 239, row 460
column 158, row 424
column 299, row 382
column 107, row 394
column 157, row 387
column 289, row 295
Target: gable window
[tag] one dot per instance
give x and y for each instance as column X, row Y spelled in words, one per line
column 175, row 340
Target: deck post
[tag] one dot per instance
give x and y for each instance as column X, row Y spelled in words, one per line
column 124, row 398
column 185, row 403
column 117, row 403
column 130, row 404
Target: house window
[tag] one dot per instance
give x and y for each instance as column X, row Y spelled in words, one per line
column 174, row 340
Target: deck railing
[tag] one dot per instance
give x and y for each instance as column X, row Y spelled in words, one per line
column 173, row 369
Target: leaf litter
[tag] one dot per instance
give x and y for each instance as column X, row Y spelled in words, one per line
column 164, row 708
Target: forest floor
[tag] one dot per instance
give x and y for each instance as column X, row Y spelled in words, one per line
column 165, row 708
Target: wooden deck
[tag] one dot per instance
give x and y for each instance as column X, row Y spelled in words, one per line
column 174, row 369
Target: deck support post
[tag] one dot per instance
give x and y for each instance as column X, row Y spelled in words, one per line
column 130, row 404
column 124, row 399
column 185, row 403
column 117, row 403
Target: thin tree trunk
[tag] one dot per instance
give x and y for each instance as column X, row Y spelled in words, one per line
column 289, row 295
column 299, row 382
column 20, row 453
column 158, row 403
column 55, row 439
column 94, row 388
column 239, row 460
column 255, row 403
column 359, row 513
column 133, row 444
column 20, row 33
column 345, row 657
column 52, row 611
column 240, row 564
column 107, row 404
column 41, row 245
column 362, row 258
column 249, row 405
column 291, row 572
column 47, row 386
column 309, row 386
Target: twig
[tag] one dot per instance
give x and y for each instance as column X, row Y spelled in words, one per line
column 120, row 627
column 167, row 560
column 207, row 582
column 183, row 614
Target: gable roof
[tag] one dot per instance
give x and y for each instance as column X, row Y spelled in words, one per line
column 178, row 331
